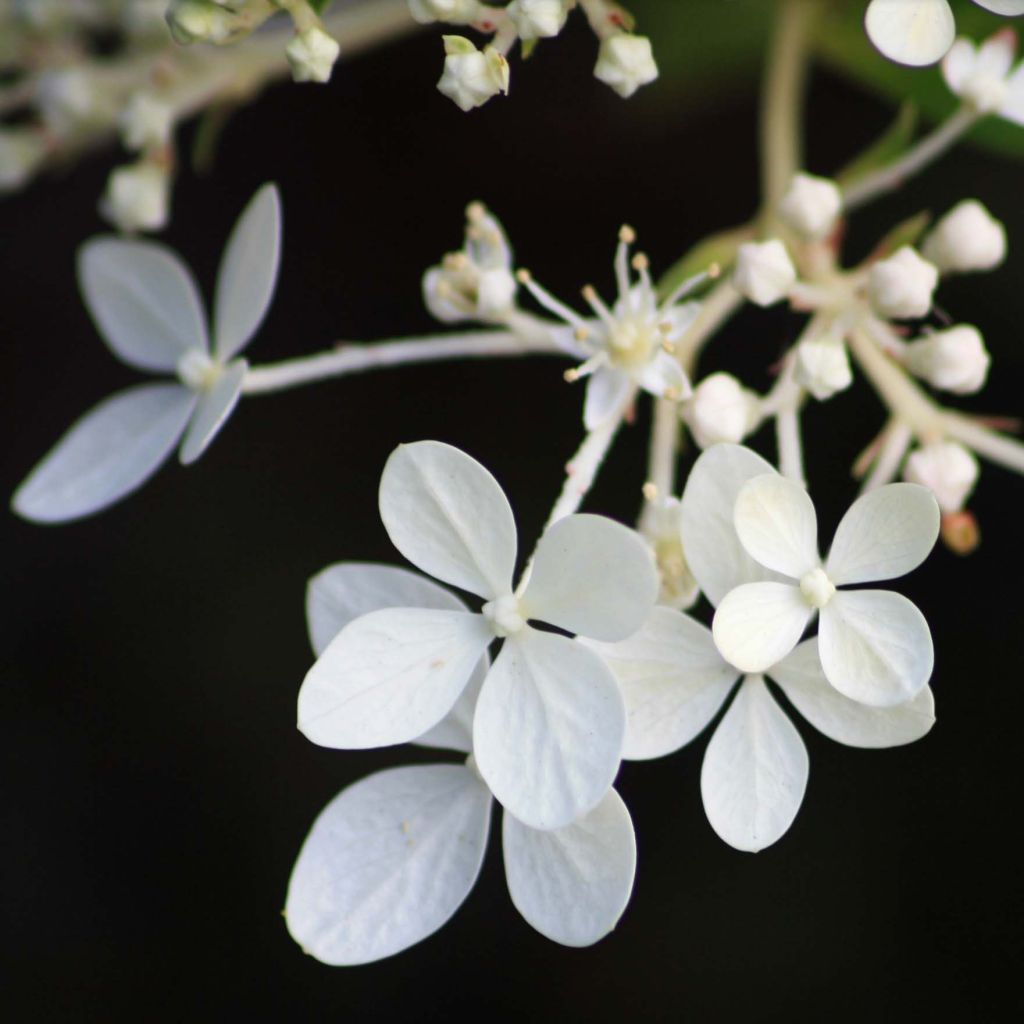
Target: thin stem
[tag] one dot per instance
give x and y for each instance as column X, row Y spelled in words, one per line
column 895, row 442
column 348, row 359
column 929, row 149
column 664, row 447
column 1006, row 451
column 790, row 444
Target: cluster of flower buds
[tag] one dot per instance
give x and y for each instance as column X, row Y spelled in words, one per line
column 472, row 76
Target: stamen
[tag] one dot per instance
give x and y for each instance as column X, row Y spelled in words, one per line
column 596, row 303
column 549, row 302
column 690, row 285
column 626, row 236
column 650, row 491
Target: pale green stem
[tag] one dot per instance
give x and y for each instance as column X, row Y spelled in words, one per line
column 896, row 440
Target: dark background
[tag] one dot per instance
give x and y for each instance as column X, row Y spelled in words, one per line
column 155, row 789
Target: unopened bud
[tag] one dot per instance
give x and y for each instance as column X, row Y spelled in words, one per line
column 538, row 19
column 471, row 76
column 823, row 366
column 967, row 238
column 811, row 205
column 954, row 359
column 311, row 55
column 68, row 100
column 454, row 12
column 960, row 532
column 764, row 273
column 146, row 122
column 947, row 469
column 901, row 287
column 199, row 21
column 137, row 198
column 21, row 152
column 660, row 527
column 720, row 411
column 625, row 62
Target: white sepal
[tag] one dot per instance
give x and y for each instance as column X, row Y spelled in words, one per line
column 214, row 407
column 776, row 523
column 758, row 624
column 914, row 32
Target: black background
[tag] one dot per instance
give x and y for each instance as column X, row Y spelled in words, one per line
column 155, row 790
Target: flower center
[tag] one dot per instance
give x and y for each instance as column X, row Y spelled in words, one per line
column 986, row 93
column 817, row 588
column 504, row 616
column 631, row 342
column 196, row 370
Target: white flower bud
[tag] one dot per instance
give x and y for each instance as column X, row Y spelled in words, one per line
column 193, row 21
column 954, row 359
column 720, row 411
column 811, row 205
column 764, row 272
column 21, row 152
column 660, row 527
column 137, row 198
column 625, row 62
column 471, row 76
column 948, row 469
column 901, row 286
column 823, row 366
column 967, row 238
column 311, row 55
column 146, row 122
column 67, row 100
column 454, row 12
column 538, row 19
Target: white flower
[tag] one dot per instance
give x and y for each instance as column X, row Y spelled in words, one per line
column 630, row 345
column 721, row 410
column 981, row 76
column 967, row 238
column 875, row 645
column 146, row 122
column 311, row 55
column 811, row 205
column 68, row 100
column 919, row 32
column 659, row 526
column 147, row 309
column 548, row 726
column 823, row 366
column 947, row 469
column 477, row 282
column 414, row 838
column 137, row 197
column 901, row 286
column 954, row 359
column 471, row 76
column 625, row 62
column 675, row 682
column 764, row 273
column 538, row 19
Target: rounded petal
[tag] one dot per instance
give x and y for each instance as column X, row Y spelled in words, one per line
column 776, row 523
column 847, row 721
column 755, row 770
column 449, row 517
column 664, row 377
column 1009, row 8
column 673, row 681
column 914, row 32
column 573, row 883
column 1013, row 106
column 248, row 273
column 389, row 676
column 717, row 559
column 591, row 576
column 959, row 65
column 212, row 411
column 607, row 393
column 549, row 728
column 995, row 54
column 758, row 624
column 875, row 647
column 885, row 533
column 143, row 301
column 113, row 449
column 387, row 863
column 343, row 592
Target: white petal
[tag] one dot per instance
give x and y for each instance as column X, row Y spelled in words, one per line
column 607, row 393
column 573, row 883
column 343, row 592
column 248, row 273
column 915, row 32
column 995, row 55
column 389, row 676
column 673, row 681
column 143, row 301
column 847, row 721
column 214, row 407
column 776, row 523
column 1013, row 107
column 664, row 374
column 758, row 624
column 387, row 862
column 884, row 534
column 959, row 65
column 875, row 647
column 549, row 728
column 755, row 771
column 449, row 517
column 1010, row 8
column 717, row 559
column 592, row 576
column 113, row 449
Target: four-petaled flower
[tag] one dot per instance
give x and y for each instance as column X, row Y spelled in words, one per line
column 549, row 724
column 981, row 75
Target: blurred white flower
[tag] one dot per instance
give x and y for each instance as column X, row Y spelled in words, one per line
column 811, row 205
column 146, row 122
column 721, row 410
column 538, row 19
column 764, row 273
column 984, row 77
column 947, row 469
column 901, row 286
column 823, row 366
column 137, row 197
column 968, row 238
column 549, row 722
column 147, row 309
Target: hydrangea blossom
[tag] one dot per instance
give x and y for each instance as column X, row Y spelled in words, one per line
column 675, row 681
column 549, row 724
column 984, row 76
column 415, row 837
column 147, row 309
